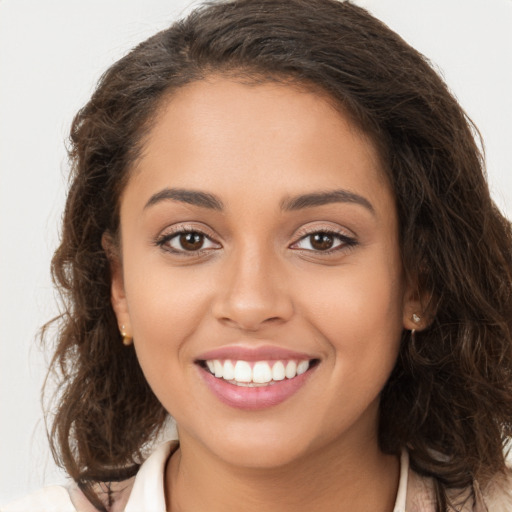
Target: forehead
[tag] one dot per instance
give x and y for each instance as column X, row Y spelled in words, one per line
column 219, row 132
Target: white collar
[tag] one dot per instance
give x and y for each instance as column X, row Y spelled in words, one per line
column 401, row 495
column 148, row 489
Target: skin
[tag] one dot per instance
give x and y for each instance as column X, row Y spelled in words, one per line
column 258, row 280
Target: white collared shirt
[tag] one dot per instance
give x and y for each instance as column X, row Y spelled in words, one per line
column 147, row 493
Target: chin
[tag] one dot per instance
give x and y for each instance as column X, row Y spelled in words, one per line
column 262, row 444
column 261, row 454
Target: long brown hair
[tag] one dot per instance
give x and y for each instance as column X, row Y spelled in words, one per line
column 449, row 398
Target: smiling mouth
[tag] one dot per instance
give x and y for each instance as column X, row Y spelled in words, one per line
column 256, row 373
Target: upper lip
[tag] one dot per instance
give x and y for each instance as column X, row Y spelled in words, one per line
column 261, row 353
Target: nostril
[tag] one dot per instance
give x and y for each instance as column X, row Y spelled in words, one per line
column 250, row 325
column 249, row 304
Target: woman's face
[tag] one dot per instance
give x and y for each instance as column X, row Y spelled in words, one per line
column 260, row 243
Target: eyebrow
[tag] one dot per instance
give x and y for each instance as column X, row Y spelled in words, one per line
column 212, row 202
column 322, row 198
column 193, row 197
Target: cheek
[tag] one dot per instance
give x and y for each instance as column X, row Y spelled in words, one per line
column 166, row 307
column 359, row 299
column 359, row 314
column 165, row 303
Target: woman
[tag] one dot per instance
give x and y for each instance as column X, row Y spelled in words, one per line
column 279, row 233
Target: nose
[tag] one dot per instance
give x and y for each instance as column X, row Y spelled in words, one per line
column 253, row 292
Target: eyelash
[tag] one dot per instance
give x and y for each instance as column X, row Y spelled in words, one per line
column 184, row 230
column 346, row 241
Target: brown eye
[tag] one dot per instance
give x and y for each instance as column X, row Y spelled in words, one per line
column 321, row 241
column 324, row 241
column 187, row 241
column 191, row 241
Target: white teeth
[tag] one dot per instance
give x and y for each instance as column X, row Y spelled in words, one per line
column 302, row 367
column 218, row 368
column 229, row 370
column 243, row 371
column 258, row 373
column 291, row 369
column 261, row 373
column 278, row 372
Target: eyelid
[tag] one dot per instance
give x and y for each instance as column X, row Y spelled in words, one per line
column 186, row 228
column 172, row 231
column 311, row 228
column 348, row 241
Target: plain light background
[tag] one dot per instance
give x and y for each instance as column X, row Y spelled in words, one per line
column 51, row 54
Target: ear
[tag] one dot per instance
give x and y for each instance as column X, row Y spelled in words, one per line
column 416, row 311
column 117, row 292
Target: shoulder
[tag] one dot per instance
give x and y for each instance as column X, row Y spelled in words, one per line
column 58, row 498
column 497, row 494
column 49, row 499
column 145, row 491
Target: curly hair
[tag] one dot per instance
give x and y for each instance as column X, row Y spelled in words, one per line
column 449, row 398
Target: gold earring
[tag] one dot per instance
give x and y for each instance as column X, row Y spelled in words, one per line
column 127, row 340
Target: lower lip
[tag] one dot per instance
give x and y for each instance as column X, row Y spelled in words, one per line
column 254, row 398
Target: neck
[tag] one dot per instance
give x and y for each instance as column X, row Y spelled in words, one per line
column 341, row 477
